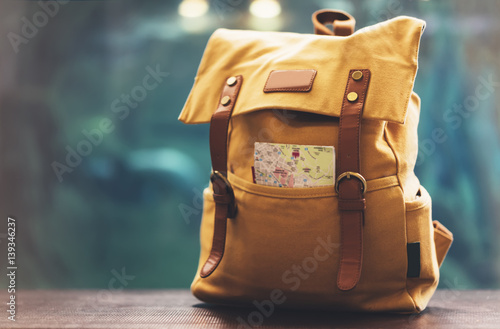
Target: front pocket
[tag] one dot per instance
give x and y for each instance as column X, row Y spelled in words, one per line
column 275, row 230
column 422, row 264
column 289, row 239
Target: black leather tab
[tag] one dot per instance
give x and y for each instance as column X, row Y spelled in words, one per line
column 413, row 252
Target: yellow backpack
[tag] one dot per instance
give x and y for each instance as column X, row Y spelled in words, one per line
column 353, row 234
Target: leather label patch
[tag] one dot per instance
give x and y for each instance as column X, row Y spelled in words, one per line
column 413, row 251
column 290, row 80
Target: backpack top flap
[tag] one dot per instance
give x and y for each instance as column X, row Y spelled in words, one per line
column 388, row 49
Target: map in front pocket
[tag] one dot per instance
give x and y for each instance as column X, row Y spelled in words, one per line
column 290, row 165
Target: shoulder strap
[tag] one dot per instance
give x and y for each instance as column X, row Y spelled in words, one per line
column 350, row 185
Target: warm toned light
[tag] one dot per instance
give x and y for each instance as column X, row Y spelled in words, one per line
column 193, row 8
column 265, row 8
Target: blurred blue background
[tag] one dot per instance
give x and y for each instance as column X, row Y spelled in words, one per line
column 108, row 79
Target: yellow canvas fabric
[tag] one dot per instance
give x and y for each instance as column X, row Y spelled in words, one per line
column 278, row 230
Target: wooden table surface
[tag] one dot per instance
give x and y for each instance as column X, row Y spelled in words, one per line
column 178, row 309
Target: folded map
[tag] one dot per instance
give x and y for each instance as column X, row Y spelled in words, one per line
column 290, row 165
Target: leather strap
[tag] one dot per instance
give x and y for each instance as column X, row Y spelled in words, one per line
column 442, row 240
column 351, row 194
column 343, row 23
column 223, row 194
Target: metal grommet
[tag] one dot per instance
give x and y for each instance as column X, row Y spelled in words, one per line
column 231, row 81
column 357, row 75
column 352, row 96
column 225, row 100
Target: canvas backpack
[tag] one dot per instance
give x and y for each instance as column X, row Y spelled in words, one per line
column 366, row 241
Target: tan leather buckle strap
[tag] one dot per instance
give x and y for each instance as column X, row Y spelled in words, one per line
column 350, row 183
column 223, row 193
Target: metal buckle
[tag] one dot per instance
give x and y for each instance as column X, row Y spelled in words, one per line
column 216, row 174
column 348, row 175
column 232, row 209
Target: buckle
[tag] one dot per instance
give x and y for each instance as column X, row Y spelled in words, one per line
column 231, row 211
column 217, row 174
column 348, row 175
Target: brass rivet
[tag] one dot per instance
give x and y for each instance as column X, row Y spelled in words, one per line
column 357, row 75
column 231, row 81
column 225, row 100
column 352, row 96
